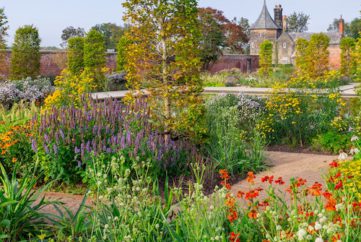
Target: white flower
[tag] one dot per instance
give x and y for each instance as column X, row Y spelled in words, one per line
column 342, row 156
column 279, row 228
column 354, row 151
column 339, row 207
column 301, row 234
column 323, row 220
column 354, row 138
column 319, row 239
column 318, row 226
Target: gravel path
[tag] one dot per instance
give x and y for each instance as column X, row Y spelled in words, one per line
column 311, row 167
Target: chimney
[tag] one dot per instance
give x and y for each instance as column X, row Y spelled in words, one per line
column 341, row 26
column 278, row 15
column 285, row 24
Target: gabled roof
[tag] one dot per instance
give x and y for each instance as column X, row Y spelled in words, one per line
column 335, row 37
column 265, row 20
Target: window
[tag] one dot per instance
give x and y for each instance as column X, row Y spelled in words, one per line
column 284, row 45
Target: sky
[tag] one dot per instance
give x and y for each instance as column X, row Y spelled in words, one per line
column 52, row 16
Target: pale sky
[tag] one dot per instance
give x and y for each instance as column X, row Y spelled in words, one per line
column 52, row 16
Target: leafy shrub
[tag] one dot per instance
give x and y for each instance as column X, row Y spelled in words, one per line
column 69, row 136
column 116, row 81
column 334, row 142
column 27, row 90
column 76, row 55
column 25, row 57
column 234, row 143
column 20, row 214
column 265, row 58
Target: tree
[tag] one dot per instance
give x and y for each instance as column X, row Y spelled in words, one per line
column 219, row 32
column 355, row 28
column 301, row 59
column 244, row 24
column 348, row 63
column 318, row 55
column 265, row 58
column 111, row 32
column 211, row 21
column 357, row 55
column 298, row 22
column 76, row 55
column 121, row 52
column 163, row 55
column 69, row 32
column 95, row 57
column 25, row 57
column 3, row 33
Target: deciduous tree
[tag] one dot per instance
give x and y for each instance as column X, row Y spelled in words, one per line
column 265, row 58
column 76, row 55
column 25, row 57
column 163, row 56
column 3, row 33
column 70, row 32
column 298, row 22
column 348, row 62
column 318, row 55
column 111, row 33
column 121, row 51
column 301, row 59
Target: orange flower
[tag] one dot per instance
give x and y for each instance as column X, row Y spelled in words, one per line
column 251, row 177
column 14, row 160
column 315, row 190
column 300, row 182
column 252, row 194
column 240, row 194
column 331, row 204
column 334, row 164
column 224, row 174
column 252, row 214
column 230, row 202
column 226, row 185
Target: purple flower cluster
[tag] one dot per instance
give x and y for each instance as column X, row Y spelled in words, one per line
column 103, row 127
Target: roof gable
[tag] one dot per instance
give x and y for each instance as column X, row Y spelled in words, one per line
column 335, row 37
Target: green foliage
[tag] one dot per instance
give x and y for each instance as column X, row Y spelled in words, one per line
column 70, row 32
column 94, row 51
column 355, row 28
column 20, row 208
column 25, row 57
column 297, row 22
column 332, row 141
column 357, row 55
column 265, row 58
column 111, row 33
column 3, row 32
column 164, row 56
column 348, row 63
column 76, row 55
column 121, row 52
column 233, row 143
column 312, row 57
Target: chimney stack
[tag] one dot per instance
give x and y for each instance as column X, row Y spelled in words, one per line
column 278, row 11
column 285, row 24
column 341, row 26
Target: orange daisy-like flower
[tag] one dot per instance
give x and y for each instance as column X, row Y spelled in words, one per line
column 334, row 164
column 300, row 182
column 252, row 214
column 252, row 194
column 224, row 174
column 251, row 177
column 240, row 194
column 280, row 181
column 230, row 202
column 232, row 216
column 315, row 189
column 339, row 185
column 331, row 204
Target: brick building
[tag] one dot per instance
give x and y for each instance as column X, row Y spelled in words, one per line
column 284, row 42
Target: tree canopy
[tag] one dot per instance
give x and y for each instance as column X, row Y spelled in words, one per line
column 298, row 22
column 69, row 32
column 111, row 33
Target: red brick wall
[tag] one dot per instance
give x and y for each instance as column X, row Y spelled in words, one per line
column 335, row 56
column 53, row 62
column 246, row 63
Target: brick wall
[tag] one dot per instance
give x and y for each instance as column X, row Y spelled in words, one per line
column 335, row 56
column 53, row 62
column 246, row 63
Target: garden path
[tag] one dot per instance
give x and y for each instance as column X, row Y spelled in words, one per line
column 311, row 167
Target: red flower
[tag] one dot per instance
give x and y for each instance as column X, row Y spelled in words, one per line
column 331, row 204
column 334, row 164
column 327, row 194
column 315, row 190
column 233, row 237
column 280, row 181
column 230, row 202
column 226, row 185
column 252, row 194
column 339, row 185
column 232, row 216
column 300, row 182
